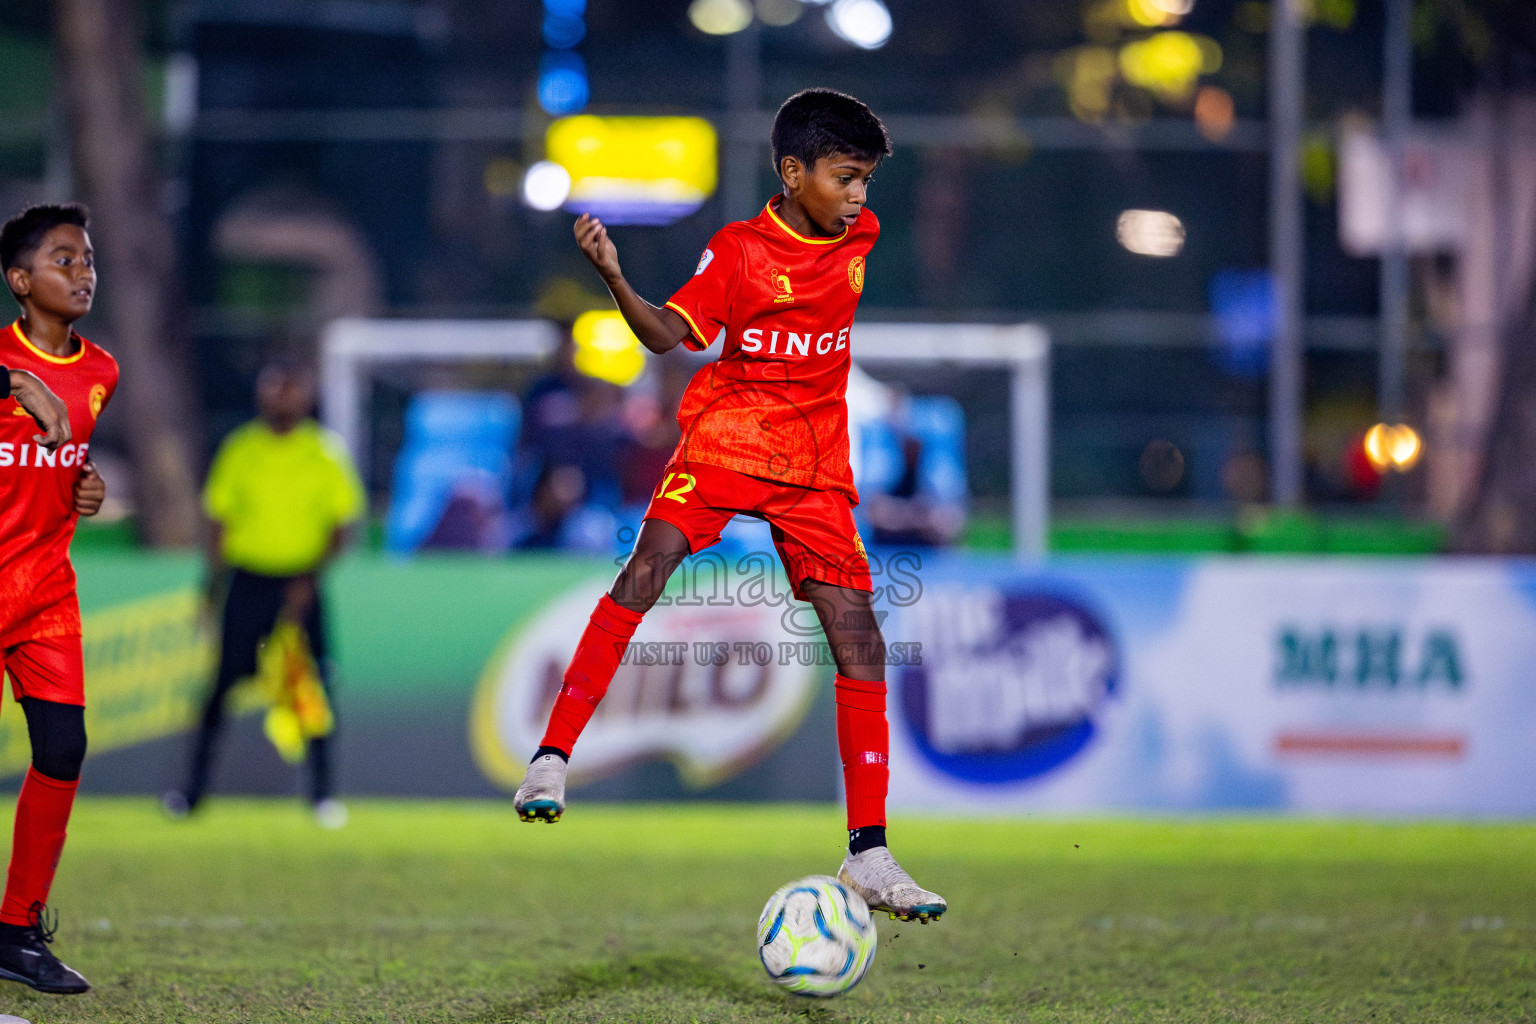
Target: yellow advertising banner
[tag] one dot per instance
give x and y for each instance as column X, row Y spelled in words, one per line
column 147, row 665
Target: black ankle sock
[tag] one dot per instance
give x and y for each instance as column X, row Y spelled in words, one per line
column 561, row 754
column 861, row 839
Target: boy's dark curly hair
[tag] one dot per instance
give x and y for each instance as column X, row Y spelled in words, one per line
column 817, row 123
column 23, row 233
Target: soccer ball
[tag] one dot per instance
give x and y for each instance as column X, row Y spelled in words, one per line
column 815, row 937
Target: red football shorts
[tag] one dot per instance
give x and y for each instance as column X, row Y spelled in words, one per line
column 47, row 668
column 813, row 530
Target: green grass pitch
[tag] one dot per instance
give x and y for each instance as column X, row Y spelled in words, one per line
column 458, row 912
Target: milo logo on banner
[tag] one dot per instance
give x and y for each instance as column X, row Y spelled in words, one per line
column 712, row 708
column 1010, row 682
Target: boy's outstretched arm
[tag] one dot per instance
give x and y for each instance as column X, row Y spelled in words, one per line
column 658, row 328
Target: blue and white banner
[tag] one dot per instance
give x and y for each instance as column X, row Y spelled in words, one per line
column 1336, row 686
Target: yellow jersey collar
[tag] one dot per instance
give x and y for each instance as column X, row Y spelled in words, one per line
column 773, row 215
column 48, row 356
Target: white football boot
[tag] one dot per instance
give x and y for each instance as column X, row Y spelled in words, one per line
column 541, row 797
column 885, row 885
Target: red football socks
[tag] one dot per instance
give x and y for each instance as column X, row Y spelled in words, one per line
column 863, row 742
column 597, row 657
column 42, row 814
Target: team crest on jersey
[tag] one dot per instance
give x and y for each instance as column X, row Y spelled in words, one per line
column 783, row 291
column 705, row 261
column 97, row 399
column 19, row 411
column 856, row 274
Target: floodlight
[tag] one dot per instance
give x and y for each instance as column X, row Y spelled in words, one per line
column 546, row 186
column 1150, row 232
column 864, row 23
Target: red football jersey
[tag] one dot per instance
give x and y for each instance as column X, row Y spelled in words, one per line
column 774, row 404
column 37, row 488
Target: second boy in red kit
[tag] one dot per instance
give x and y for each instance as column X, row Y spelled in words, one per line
column 765, row 434
column 50, row 269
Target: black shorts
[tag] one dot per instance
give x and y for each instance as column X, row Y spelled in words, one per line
column 250, row 611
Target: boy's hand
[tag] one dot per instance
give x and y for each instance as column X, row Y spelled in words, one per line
column 90, row 491
column 46, row 408
column 593, row 238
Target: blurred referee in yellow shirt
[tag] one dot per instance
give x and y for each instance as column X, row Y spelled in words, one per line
column 281, row 494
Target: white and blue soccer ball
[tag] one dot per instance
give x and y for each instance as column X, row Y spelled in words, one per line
column 816, row 937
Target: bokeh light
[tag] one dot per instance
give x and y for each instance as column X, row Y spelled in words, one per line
column 563, row 85
column 720, row 17
column 1150, row 232
column 864, row 23
column 1215, row 113
column 636, row 170
column 1393, row 446
column 606, row 348
column 563, row 32
column 1319, row 167
column 1157, row 13
column 546, row 186
column 779, row 13
column 1088, row 75
column 1168, row 64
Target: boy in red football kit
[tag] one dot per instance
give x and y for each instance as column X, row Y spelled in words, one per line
column 49, row 265
column 765, row 434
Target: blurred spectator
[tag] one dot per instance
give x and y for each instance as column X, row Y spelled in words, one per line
column 475, row 517
column 907, row 452
column 575, row 420
column 558, row 515
column 905, row 514
column 650, row 419
column 454, row 472
column 1245, row 477
column 281, row 494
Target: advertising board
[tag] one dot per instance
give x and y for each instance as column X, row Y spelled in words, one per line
column 1387, row 686
column 1317, row 686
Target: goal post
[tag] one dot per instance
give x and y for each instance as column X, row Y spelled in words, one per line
column 1023, row 352
column 352, row 351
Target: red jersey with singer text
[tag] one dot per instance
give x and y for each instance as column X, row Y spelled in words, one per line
column 774, row 405
column 37, row 501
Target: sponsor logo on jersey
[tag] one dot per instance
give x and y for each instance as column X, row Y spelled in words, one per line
column 704, row 261
column 783, row 291
column 35, row 456
column 856, row 274
column 712, row 717
column 769, row 342
column 97, row 399
column 1011, row 682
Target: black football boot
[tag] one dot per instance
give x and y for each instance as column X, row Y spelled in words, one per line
column 25, row 957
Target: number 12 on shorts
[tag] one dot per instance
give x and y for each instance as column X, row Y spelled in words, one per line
column 686, row 483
